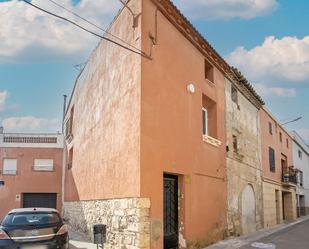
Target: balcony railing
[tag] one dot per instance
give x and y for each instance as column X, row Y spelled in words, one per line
column 289, row 175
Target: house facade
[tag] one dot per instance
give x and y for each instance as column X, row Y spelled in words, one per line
column 30, row 171
column 301, row 164
column 279, row 174
column 145, row 135
column 244, row 171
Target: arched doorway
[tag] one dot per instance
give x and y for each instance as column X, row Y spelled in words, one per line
column 248, row 219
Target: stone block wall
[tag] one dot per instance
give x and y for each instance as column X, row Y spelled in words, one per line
column 272, row 207
column 127, row 220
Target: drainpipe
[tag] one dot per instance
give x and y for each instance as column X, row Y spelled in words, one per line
column 64, row 159
column 64, row 109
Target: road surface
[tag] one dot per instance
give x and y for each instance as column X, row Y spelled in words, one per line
column 295, row 237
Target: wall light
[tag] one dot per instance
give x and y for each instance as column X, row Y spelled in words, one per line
column 191, row 88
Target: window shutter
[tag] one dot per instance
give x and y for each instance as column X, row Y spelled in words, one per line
column 272, row 164
column 43, row 164
column 205, row 121
column 10, row 166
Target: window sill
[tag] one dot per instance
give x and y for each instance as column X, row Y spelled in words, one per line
column 213, row 141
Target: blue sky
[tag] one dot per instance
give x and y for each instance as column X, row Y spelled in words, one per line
column 267, row 39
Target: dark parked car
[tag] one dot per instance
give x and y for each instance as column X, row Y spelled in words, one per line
column 33, row 228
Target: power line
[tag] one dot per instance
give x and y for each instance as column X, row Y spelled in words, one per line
column 93, row 24
column 125, row 4
column 87, row 30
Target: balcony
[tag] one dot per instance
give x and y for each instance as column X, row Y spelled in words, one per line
column 289, row 175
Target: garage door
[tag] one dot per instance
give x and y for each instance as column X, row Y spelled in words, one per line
column 40, row 200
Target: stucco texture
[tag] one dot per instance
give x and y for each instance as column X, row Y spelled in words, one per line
column 171, row 132
column 106, row 125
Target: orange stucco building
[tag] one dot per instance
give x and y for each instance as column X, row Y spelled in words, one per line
column 279, row 176
column 30, row 171
column 145, row 135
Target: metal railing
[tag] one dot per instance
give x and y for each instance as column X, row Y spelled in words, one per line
column 289, row 175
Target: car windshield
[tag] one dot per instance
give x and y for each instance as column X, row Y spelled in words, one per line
column 29, row 219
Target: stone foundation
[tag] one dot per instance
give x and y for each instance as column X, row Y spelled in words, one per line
column 127, row 220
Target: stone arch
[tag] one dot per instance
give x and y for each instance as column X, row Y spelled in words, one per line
column 248, row 210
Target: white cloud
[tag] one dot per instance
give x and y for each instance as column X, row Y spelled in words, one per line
column 3, row 98
column 30, row 124
column 23, row 27
column 265, row 90
column 226, row 9
column 285, row 59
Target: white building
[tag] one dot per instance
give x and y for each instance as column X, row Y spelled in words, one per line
column 301, row 162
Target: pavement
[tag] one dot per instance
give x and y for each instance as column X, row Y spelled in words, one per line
column 294, row 235
column 79, row 241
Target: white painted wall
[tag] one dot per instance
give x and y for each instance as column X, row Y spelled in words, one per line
column 301, row 164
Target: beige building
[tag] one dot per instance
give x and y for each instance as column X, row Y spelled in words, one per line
column 279, row 174
column 244, row 173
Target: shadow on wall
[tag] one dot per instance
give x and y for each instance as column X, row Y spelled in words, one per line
column 73, row 210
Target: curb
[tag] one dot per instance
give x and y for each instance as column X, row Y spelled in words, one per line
column 238, row 242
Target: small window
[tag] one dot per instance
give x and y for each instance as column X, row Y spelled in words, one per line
column 209, row 117
column 300, row 154
column 69, row 124
column 205, row 121
column 287, row 143
column 272, row 160
column 270, row 128
column 280, row 137
column 70, row 161
column 234, row 95
column 9, row 167
column 301, row 178
column 43, row 165
column 235, row 144
column 209, row 71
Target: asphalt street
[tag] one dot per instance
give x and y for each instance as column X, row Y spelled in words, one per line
column 295, row 237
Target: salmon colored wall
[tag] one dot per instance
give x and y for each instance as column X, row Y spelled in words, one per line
column 171, row 130
column 273, row 141
column 106, row 122
column 27, row 180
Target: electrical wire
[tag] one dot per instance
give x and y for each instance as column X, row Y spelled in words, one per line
column 93, row 24
column 87, row 30
column 125, row 4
